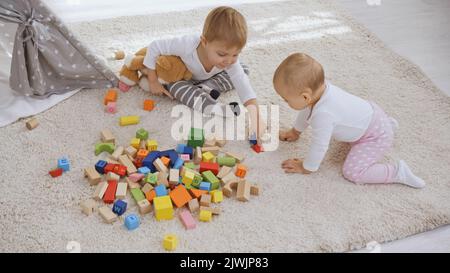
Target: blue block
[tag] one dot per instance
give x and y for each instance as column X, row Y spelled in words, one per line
column 180, row 148
column 148, row 160
column 178, row 164
column 252, row 139
column 100, row 166
column 132, row 221
column 206, row 186
column 119, row 207
column 63, row 163
column 160, row 190
column 190, row 151
column 144, row 170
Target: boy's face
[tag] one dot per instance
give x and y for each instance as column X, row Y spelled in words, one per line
column 219, row 54
column 296, row 99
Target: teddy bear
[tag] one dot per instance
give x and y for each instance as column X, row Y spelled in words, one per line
column 168, row 69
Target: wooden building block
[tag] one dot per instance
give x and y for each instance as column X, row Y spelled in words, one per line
column 180, row 196
column 197, row 193
column 163, row 208
column 132, row 184
column 207, row 157
column 216, row 196
column 104, row 147
column 243, row 191
column 224, row 170
column 209, row 166
column 239, row 158
column 241, row 170
column 205, row 200
column 229, row 177
column 162, row 179
column 107, row 137
column 100, row 191
column 110, row 96
column 152, row 145
column 121, row 191
column 111, row 107
column 165, row 160
column 131, row 151
column 88, row 206
column 144, row 206
column 112, row 176
column 124, row 160
column 118, row 152
column 214, row 150
column 110, row 193
column 254, row 190
column 32, row 123
column 193, row 205
column 92, row 175
column 146, row 188
column 170, row 242
column 228, row 188
column 159, row 165
column 174, row 176
column 205, row 215
column 149, row 105
column 128, row 120
column 187, row 219
column 107, row 214
column 150, row 195
column 198, row 155
column 214, row 211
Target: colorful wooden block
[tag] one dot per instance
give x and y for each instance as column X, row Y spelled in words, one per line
column 150, row 195
column 205, row 186
column 198, row 155
column 124, row 160
column 205, row 215
column 193, row 205
column 88, row 206
column 224, row 171
column 226, row 161
column 121, row 191
column 104, row 147
column 214, row 150
column 100, row 191
column 258, row 148
column 208, row 166
column 174, row 175
column 134, row 142
column 131, row 151
column 205, row 200
column 137, row 194
column 163, row 208
column 132, row 222
column 196, row 137
column 151, row 178
column 144, row 206
column 180, row 148
column 128, row 120
column 142, row 134
column 160, row 190
column 110, row 96
column 185, row 157
column 188, row 177
column 32, row 123
column 112, row 176
column 187, row 219
column 165, row 160
column 211, row 178
column 56, row 172
column 207, row 157
column 214, row 211
column 64, row 164
column 107, row 137
column 110, row 193
column 107, row 214
column 216, row 196
column 149, row 105
column 241, row 170
column 111, row 107
column 159, row 165
column 239, row 158
column 197, row 193
column 170, row 242
column 152, row 145
column 131, row 184
column 119, row 207
column 228, row 188
column 100, row 166
column 180, row 196
column 243, row 191
column 144, row 170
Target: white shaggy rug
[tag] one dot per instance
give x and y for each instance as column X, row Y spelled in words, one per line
column 319, row 212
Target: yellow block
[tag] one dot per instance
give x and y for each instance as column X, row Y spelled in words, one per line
column 216, row 196
column 188, row 177
column 207, row 157
column 205, row 215
column 170, row 242
column 135, row 143
column 163, row 208
column 152, row 145
column 128, row 120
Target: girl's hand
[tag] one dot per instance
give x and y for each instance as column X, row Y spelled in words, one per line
column 289, row 135
column 294, row 165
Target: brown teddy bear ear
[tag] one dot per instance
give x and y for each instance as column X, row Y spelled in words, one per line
column 164, row 63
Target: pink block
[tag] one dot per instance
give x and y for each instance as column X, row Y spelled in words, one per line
column 124, row 87
column 187, row 219
column 185, row 157
column 111, row 107
column 136, row 177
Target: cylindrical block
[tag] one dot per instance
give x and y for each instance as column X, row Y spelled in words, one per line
column 227, row 161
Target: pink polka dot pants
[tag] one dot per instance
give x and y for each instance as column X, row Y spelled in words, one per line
column 361, row 165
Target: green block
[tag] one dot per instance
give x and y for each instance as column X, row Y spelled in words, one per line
column 188, row 187
column 211, row 178
column 137, row 194
column 190, row 165
column 104, row 147
column 227, row 161
column 196, row 138
column 151, row 178
column 142, row 134
column 197, row 180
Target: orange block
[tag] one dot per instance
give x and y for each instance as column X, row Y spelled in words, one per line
column 241, row 170
column 142, row 153
column 197, row 193
column 165, row 160
column 149, row 105
column 111, row 96
column 180, row 196
column 150, row 195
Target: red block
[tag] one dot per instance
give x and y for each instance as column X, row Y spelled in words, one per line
column 110, row 193
column 56, row 172
column 138, row 161
column 207, row 166
column 257, row 148
column 109, row 168
column 120, row 170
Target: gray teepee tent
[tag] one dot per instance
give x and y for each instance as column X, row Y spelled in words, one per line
column 47, row 58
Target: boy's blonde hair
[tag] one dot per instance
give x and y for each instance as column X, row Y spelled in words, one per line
column 227, row 25
column 301, row 72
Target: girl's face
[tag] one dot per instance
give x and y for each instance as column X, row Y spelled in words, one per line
column 219, row 55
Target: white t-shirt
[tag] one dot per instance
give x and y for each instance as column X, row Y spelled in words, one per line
column 337, row 114
column 186, row 48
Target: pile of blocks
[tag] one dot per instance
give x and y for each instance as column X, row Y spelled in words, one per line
column 192, row 177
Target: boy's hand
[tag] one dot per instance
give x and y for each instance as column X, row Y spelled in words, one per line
column 294, row 165
column 289, row 135
column 157, row 89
